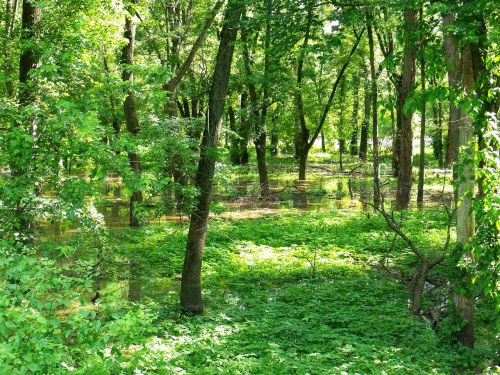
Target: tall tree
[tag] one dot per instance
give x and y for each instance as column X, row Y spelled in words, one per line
column 374, row 98
column 454, row 113
column 258, row 112
column 403, row 193
column 421, row 162
column 181, row 69
column 355, row 126
column 191, row 299
column 305, row 139
column 129, row 107
column 365, row 124
column 465, row 218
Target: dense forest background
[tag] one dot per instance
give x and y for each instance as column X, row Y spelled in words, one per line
column 249, row 186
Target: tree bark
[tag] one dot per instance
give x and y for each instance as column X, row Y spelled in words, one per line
column 129, row 108
column 465, row 218
column 403, row 193
column 9, row 18
column 421, row 161
column 258, row 113
column 452, row 59
column 363, row 145
column 191, row 299
column 374, row 98
column 355, row 111
column 29, row 56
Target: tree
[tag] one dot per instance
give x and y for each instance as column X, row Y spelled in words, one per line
column 374, row 98
column 191, row 299
column 421, row 162
column 129, row 108
column 407, row 85
column 305, row 139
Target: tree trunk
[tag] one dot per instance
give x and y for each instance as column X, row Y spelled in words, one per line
column 363, row 145
column 129, row 108
column 374, row 98
column 29, row 55
column 181, row 70
column 452, row 59
column 355, row 110
column 191, row 299
column 403, row 193
column 416, row 287
column 421, row 161
column 437, row 134
column 9, row 18
column 465, row 217
column 341, row 153
column 234, row 148
column 20, row 165
column 396, row 142
column 302, row 165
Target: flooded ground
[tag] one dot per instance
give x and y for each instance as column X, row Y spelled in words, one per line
column 237, row 200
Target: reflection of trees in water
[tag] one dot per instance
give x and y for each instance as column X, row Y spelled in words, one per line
column 300, row 199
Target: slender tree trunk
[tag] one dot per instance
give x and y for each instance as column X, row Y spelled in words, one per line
column 129, row 108
column 302, row 136
column 437, row 134
column 20, row 166
column 9, row 18
column 452, row 59
column 244, row 129
column 191, row 299
column 234, row 148
column 181, row 70
column 403, row 193
column 258, row 112
column 465, row 218
column 421, row 162
column 355, row 110
column 374, row 98
column 341, row 153
column 396, row 142
column 363, row 145
column 29, row 55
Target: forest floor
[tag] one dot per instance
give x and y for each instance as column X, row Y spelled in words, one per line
column 296, row 290
column 289, row 294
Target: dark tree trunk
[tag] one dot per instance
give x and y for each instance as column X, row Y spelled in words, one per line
column 9, row 19
column 363, row 145
column 258, row 113
column 323, row 144
column 421, row 161
column 341, row 153
column 355, row 110
column 437, row 134
column 129, row 108
column 234, row 148
column 244, row 128
column 396, row 141
column 29, row 55
column 20, row 165
column 191, row 299
column 403, row 193
column 374, row 98
column 452, row 59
